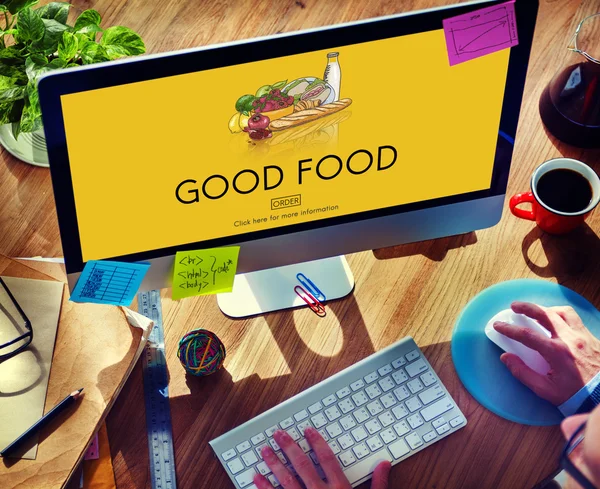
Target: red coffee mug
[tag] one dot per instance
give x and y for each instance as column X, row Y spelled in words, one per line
column 551, row 220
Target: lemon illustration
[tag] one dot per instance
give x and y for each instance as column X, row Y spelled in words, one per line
column 234, row 123
column 244, row 121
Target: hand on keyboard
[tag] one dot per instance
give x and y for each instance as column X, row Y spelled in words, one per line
column 305, row 468
column 572, row 352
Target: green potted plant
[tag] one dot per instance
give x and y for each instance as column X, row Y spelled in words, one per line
column 34, row 41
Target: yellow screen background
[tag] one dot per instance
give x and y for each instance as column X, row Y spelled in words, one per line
column 131, row 145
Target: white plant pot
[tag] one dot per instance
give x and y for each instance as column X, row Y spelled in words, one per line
column 29, row 147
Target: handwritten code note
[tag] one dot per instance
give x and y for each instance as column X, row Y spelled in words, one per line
column 109, row 282
column 204, row 272
column 481, row 32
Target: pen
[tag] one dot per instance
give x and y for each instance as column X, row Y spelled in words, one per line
column 43, row 421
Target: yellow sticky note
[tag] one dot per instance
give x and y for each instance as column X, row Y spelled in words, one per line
column 203, row 272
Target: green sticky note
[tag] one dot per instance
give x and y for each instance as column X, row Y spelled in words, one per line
column 204, row 272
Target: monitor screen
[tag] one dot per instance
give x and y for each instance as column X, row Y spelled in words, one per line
column 329, row 134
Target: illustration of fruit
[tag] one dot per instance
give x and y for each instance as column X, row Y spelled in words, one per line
column 244, row 104
column 244, row 121
column 258, row 121
column 234, row 123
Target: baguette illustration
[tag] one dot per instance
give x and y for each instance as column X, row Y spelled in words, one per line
column 309, row 115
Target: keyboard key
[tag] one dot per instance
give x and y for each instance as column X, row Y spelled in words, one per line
column 456, row 422
column 416, row 368
column 388, row 436
column 372, row 377
column 374, row 408
column 293, row 432
column 256, row 439
column 415, row 386
column 427, row 437
column 242, row 447
column 319, row 420
column 347, row 422
column 373, row 391
column 302, row 426
column 361, row 450
column 315, row 408
column 361, row 415
column 428, row 378
column 386, row 419
column 286, row 423
column 259, row 450
column 304, row 445
column 324, row 435
column 333, row 413
column 399, row 362
column 399, row 449
column 228, row 455
column 346, row 406
column 301, row 415
column 249, row 459
column 373, row 426
column 343, row 392
column 400, row 411
column 386, row 384
column 359, row 434
column 281, row 458
column 271, row 431
column 400, row 376
column 401, row 428
column 329, row 400
column 366, row 466
column 235, row 466
column 335, row 448
column 245, row 478
column 273, row 480
column 437, row 408
column 413, row 404
column 360, row 398
column 359, row 384
column 431, row 394
column 401, row 393
column 345, row 441
column 388, row 400
column 334, row 430
column 414, row 441
column 415, row 421
column 412, row 355
column 274, row 445
column 375, row 443
column 347, row 458
column 438, row 422
column 443, row 429
column 386, row 369
column 263, row 468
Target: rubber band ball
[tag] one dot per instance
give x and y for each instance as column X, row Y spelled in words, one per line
column 201, row 352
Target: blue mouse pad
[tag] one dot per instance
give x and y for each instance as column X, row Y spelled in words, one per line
column 477, row 359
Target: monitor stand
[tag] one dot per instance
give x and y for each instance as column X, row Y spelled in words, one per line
column 273, row 289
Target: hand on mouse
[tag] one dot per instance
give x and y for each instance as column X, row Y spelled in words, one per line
column 572, row 352
column 305, row 468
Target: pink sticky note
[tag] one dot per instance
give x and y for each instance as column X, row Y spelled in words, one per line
column 480, row 32
column 93, row 451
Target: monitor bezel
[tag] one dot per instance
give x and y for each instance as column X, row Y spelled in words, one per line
column 54, row 85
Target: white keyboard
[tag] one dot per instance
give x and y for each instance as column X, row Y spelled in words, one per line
column 388, row 406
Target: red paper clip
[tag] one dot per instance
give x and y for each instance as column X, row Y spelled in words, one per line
column 311, row 300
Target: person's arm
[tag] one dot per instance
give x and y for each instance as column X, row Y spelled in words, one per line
column 572, row 352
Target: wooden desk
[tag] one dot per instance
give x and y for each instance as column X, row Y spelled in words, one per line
column 417, row 289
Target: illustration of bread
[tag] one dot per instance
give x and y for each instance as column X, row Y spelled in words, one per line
column 309, row 115
column 306, row 104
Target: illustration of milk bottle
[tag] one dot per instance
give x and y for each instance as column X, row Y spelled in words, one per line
column 333, row 74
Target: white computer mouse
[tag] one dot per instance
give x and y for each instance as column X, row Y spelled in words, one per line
column 530, row 357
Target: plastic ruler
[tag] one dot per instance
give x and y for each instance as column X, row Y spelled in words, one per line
column 156, row 396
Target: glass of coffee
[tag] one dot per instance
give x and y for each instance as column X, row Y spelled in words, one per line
column 563, row 193
column 570, row 104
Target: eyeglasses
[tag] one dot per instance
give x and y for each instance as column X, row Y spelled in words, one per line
column 568, row 465
column 16, row 333
column 586, row 38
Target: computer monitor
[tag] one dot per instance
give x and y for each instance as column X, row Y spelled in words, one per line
column 296, row 147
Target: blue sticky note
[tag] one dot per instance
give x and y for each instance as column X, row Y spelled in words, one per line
column 109, row 282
